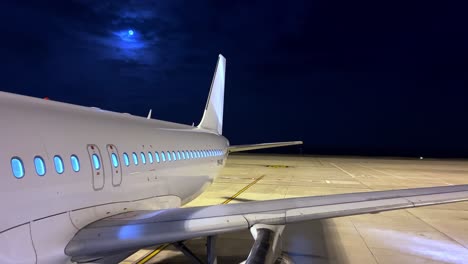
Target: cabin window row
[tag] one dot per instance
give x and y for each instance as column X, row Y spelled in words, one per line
column 18, row 170
column 17, row 165
column 164, row 156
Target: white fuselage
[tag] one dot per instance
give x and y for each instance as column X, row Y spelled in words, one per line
column 40, row 214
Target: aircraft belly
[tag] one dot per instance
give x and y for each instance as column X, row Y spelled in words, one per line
column 50, row 236
column 18, row 238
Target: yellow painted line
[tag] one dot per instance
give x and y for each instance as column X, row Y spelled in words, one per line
column 161, row 248
column 242, row 190
column 277, row 166
column 152, row 254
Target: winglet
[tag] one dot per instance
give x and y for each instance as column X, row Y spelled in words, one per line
column 149, row 114
column 213, row 115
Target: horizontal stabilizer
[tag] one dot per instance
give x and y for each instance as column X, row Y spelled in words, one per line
column 263, row 146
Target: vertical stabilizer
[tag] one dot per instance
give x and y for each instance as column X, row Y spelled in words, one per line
column 213, row 115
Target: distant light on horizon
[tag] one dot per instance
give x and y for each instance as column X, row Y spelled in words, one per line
column 130, row 32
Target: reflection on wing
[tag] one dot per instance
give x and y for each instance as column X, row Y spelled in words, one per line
column 136, row 230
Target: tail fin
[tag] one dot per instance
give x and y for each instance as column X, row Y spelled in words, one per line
column 213, row 115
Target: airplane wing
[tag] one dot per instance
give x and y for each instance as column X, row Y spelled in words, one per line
column 237, row 148
column 135, row 230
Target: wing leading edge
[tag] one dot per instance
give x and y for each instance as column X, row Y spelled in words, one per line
column 135, row 230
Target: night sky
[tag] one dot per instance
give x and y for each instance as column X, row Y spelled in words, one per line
column 367, row 78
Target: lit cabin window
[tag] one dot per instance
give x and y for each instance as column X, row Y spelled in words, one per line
column 75, row 162
column 126, row 159
column 115, row 160
column 191, row 154
column 187, row 155
column 198, row 154
column 174, row 155
column 211, row 153
column 96, row 162
column 143, row 158
column 40, row 166
column 183, row 154
column 150, row 157
column 135, row 158
column 17, row 167
column 168, row 154
column 58, row 162
column 178, row 155
column 163, row 157
column 156, row 155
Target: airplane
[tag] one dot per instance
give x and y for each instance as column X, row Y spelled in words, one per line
column 83, row 185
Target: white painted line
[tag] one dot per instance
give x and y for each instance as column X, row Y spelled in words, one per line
column 350, row 174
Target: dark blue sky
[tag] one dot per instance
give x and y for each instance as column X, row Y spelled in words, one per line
column 368, row 78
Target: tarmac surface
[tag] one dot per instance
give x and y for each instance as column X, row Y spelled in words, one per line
column 434, row 234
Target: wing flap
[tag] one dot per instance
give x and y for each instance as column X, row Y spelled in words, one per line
column 136, row 230
column 237, row 148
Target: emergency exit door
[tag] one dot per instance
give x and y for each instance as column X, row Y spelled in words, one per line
column 116, row 167
column 97, row 168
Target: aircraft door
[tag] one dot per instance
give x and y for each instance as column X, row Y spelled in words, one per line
column 116, row 166
column 97, row 168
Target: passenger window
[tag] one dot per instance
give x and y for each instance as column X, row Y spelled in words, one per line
column 178, row 155
column 135, row 158
column 40, row 166
column 163, row 156
column 173, row 155
column 75, row 162
column 17, row 167
column 168, row 154
column 183, row 154
column 96, row 162
column 126, row 159
column 156, row 155
column 143, row 158
column 58, row 162
column 115, row 161
column 150, row 157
